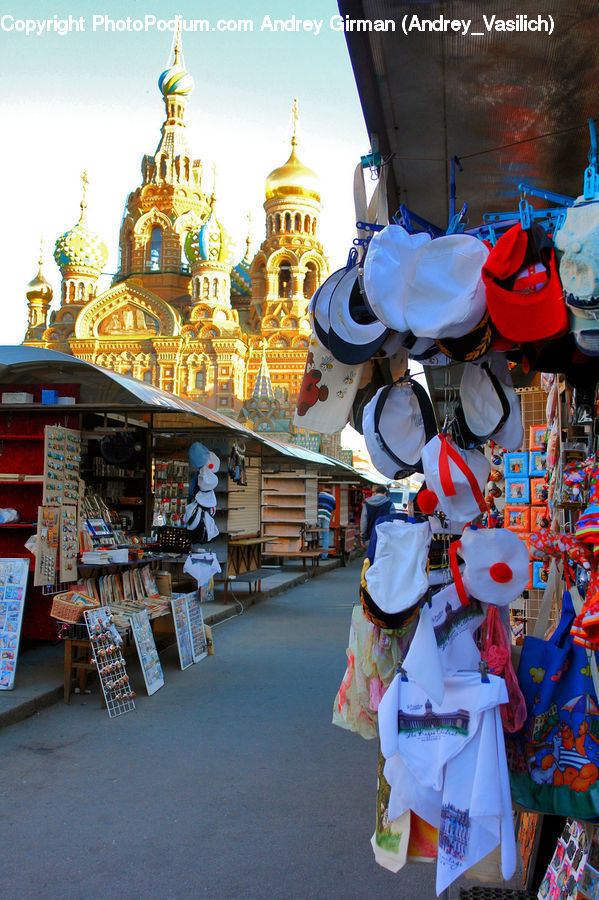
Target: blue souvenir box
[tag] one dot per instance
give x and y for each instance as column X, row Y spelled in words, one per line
column 537, row 464
column 515, row 465
column 539, row 574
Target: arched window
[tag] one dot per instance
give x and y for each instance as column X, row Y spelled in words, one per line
column 307, row 224
column 80, row 291
column 156, row 249
column 309, row 280
column 147, row 376
column 215, row 287
column 313, row 226
column 71, row 291
column 205, row 289
column 64, row 290
column 285, row 287
column 298, row 222
column 200, row 380
column 278, row 222
column 287, row 221
column 162, row 167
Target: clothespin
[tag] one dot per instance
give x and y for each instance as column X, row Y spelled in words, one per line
column 591, row 175
column 401, row 671
column 455, row 224
column 525, row 213
column 483, row 668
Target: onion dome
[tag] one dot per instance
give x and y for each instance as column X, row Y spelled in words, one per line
column 241, row 282
column 175, row 80
column 293, row 178
column 38, row 288
column 80, row 248
column 209, row 243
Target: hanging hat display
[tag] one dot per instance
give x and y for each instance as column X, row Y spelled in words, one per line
column 397, row 423
column 390, row 262
column 483, row 408
column 457, row 477
column 524, row 293
column 318, row 308
column 355, row 334
column 198, row 455
column 496, row 564
column 397, row 577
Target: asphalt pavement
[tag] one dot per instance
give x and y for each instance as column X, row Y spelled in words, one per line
column 229, row 782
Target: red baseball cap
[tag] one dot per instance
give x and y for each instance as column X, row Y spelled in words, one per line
column 525, row 297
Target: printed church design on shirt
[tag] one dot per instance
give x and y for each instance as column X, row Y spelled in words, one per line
column 455, row 621
column 453, row 722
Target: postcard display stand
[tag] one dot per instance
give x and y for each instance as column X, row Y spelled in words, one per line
column 146, row 650
column 107, row 654
column 13, row 584
column 189, row 629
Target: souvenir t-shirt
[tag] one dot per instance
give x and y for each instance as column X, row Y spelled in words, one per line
column 427, row 734
column 202, row 566
column 397, row 578
column 476, row 811
column 443, row 641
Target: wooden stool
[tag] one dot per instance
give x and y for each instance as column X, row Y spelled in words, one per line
column 77, row 663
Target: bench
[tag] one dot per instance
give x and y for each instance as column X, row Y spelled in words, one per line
column 313, row 555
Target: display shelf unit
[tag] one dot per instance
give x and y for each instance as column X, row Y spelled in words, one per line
column 289, row 503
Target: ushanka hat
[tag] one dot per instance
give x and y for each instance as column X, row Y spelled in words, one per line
column 355, row 334
column 524, row 294
column 318, row 308
column 397, row 423
column 497, row 564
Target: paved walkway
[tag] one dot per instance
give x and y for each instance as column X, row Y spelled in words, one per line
column 39, row 680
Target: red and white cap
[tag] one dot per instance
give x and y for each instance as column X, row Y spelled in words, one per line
column 496, row 564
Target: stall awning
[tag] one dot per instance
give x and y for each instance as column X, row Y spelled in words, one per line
column 107, row 389
column 433, row 94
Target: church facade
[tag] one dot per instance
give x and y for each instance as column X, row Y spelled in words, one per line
column 180, row 313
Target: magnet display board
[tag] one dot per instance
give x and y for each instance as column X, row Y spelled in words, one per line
column 147, row 652
column 13, row 585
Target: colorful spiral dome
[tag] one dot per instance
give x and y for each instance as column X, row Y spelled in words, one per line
column 209, row 243
column 175, row 80
column 241, row 283
column 80, row 248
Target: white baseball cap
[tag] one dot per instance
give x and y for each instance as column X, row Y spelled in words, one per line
column 355, row 333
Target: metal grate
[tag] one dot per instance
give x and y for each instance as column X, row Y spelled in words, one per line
column 488, row 893
column 533, row 402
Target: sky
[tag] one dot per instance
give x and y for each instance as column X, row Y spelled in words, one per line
column 89, row 100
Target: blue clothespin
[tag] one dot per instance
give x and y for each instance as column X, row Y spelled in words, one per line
column 457, row 222
column 401, row 671
column 525, row 213
column 591, row 175
column 483, row 668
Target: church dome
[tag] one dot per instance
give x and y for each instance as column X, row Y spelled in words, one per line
column 80, row 248
column 209, row 243
column 293, row 178
column 241, row 283
column 39, row 289
column 175, row 80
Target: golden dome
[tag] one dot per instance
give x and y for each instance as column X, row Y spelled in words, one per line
column 293, row 178
column 38, row 288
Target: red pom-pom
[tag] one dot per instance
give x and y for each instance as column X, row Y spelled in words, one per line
column 501, row 573
column 427, row 502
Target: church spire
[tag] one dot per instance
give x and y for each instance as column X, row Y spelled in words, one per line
column 263, row 389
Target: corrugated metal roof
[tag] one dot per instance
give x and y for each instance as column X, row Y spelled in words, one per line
column 430, row 95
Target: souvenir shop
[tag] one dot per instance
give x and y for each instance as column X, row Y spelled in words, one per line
column 96, row 475
column 471, row 356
